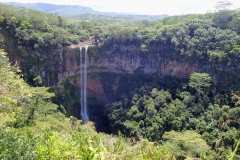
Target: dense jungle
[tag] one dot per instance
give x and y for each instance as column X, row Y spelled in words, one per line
column 164, row 87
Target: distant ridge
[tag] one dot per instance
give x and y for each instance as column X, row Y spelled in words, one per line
column 76, row 10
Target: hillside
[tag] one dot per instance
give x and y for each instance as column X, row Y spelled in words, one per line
column 77, row 10
column 55, row 9
column 174, row 81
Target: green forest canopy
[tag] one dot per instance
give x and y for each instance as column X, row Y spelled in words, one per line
column 151, row 110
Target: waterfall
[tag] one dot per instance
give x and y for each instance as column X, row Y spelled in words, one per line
column 83, row 76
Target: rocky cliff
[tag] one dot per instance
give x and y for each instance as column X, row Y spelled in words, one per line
column 127, row 63
column 122, row 64
column 57, row 65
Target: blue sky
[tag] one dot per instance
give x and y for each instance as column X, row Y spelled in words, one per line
column 152, row 7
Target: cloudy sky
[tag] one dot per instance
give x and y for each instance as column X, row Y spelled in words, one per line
column 153, row 7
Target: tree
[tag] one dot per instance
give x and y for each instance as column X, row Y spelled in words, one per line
column 185, row 144
column 200, row 81
column 2, row 17
column 60, row 21
column 223, row 5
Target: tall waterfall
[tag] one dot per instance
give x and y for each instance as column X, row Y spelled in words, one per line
column 83, row 76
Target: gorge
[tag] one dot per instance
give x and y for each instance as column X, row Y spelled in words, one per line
column 109, row 73
column 144, row 79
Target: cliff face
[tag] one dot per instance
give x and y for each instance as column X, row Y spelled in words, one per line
column 127, row 63
column 65, row 63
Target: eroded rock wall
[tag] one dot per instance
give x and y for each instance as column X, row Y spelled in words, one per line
column 65, row 63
